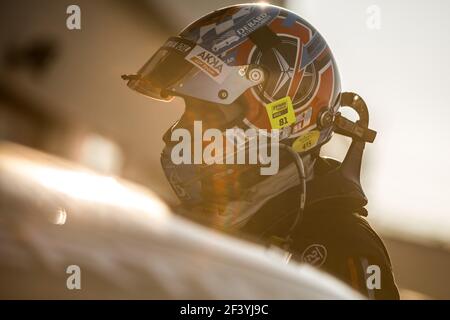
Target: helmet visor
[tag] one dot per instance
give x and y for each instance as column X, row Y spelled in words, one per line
column 165, row 68
column 182, row 68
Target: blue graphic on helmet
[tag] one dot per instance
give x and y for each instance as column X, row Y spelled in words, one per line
column 230, row 30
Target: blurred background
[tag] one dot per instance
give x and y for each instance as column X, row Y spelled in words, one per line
column 61, row 92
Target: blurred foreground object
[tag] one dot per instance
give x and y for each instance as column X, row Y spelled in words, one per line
column 35, row 56
column 125, row 242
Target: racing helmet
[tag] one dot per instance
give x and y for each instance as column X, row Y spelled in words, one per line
column 245, row 66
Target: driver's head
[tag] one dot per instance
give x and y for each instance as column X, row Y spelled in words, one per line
column 247, row 66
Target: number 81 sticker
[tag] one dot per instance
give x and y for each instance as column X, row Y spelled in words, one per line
column 281, row 113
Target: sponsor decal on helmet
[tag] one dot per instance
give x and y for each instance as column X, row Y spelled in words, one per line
column 224, row 43
column 307, row 141
column 209, row 63
column 281, row 113
column 177, row 45
column 303, row 120
column 253, row 24
column 315, row 254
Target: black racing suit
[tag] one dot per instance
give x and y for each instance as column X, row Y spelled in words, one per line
column 333, row 234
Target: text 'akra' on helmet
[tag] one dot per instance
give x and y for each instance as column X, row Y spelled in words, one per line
column 258, row 66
